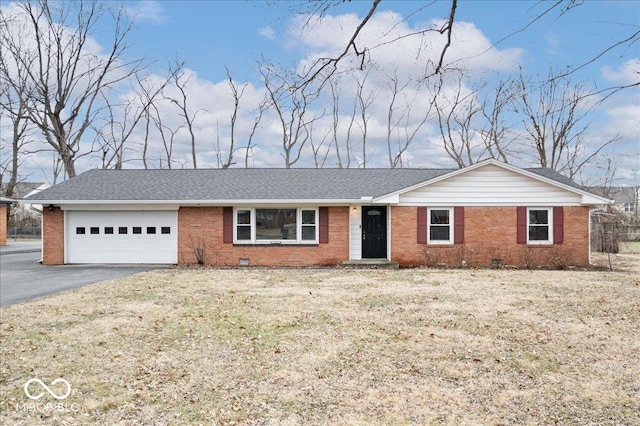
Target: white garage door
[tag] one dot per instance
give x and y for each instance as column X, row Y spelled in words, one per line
column 121, row 237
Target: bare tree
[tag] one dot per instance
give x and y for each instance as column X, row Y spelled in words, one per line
column 401, row 127
column 145, row 139
column 112, row 135
column 167, row 136
column 325, row 67
column 335, row 113
column 555, row 117
column 496, row 134
column 15, row 94
column 320, row 150
column 471, row 120
column 237, row 92
column 455, row 115
column 348, row 137
column 293, row 110
column 256, row 122
column 218, row 146
column 67, row 76
column 336, row 131
column 180, row 82
column 364, row 103
column 123, row 119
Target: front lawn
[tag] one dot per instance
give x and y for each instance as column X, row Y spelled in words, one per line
column 330, row 346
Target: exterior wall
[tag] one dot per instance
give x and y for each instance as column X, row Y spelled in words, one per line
column 3, row 224
column 355, row 251
column 53, row 237
column 490, row 233
column 202, row 227
column 491, row 185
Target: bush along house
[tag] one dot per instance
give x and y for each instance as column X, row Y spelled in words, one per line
column 487, row 214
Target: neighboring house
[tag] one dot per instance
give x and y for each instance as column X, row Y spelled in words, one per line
column 4, row 206
column 625, row 201
column 488, row 213
column 620, row 221
column 25, row 214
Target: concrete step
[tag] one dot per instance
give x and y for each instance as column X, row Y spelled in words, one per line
column 370, row 264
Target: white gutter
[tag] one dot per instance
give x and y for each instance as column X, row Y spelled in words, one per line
column 203, row 202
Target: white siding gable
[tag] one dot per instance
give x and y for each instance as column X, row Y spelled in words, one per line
column 490, row 185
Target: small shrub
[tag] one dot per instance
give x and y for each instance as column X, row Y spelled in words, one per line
column 199, row 249
column 527, row 257
column 431, row 258
column 560, row 259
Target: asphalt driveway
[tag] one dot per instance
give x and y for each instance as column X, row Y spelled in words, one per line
column 23, row 278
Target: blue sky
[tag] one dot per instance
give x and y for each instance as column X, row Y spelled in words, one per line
column 209, row 35
column 493, row 40
column 212, row 35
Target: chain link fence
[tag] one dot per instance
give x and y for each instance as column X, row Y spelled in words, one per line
column 24, row 232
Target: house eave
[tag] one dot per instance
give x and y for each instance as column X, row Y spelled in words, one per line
column 7, row 201
column 195, row 203
column 589, row 200
column 491, row 204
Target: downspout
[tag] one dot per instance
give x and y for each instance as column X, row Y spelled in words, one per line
column 41, row 237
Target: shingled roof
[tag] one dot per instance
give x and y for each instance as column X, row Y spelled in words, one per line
column 235, row 184
column 244, row 184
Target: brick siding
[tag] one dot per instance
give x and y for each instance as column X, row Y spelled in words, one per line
column 52, row 236
column 202, row 227
column 490, row 233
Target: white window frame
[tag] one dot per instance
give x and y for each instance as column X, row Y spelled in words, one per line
column 549, row 225
column 429, row 224
column 252, row 219
column 299, row 226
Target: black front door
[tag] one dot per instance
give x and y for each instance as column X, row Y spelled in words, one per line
column 374, row 232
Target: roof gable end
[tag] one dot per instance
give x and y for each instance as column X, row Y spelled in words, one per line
column 542, row 176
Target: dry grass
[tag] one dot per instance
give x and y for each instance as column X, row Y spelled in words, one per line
column 332, row 346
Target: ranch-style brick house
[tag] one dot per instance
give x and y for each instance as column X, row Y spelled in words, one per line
column 486, row 214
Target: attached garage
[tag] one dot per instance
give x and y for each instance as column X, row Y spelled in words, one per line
column 121, row 237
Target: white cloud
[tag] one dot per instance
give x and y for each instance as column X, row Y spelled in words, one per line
column 623, row 120
column 627, row 73
column 267, row 32
column 553, row 43
column 147, row 11
column 385, row 37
